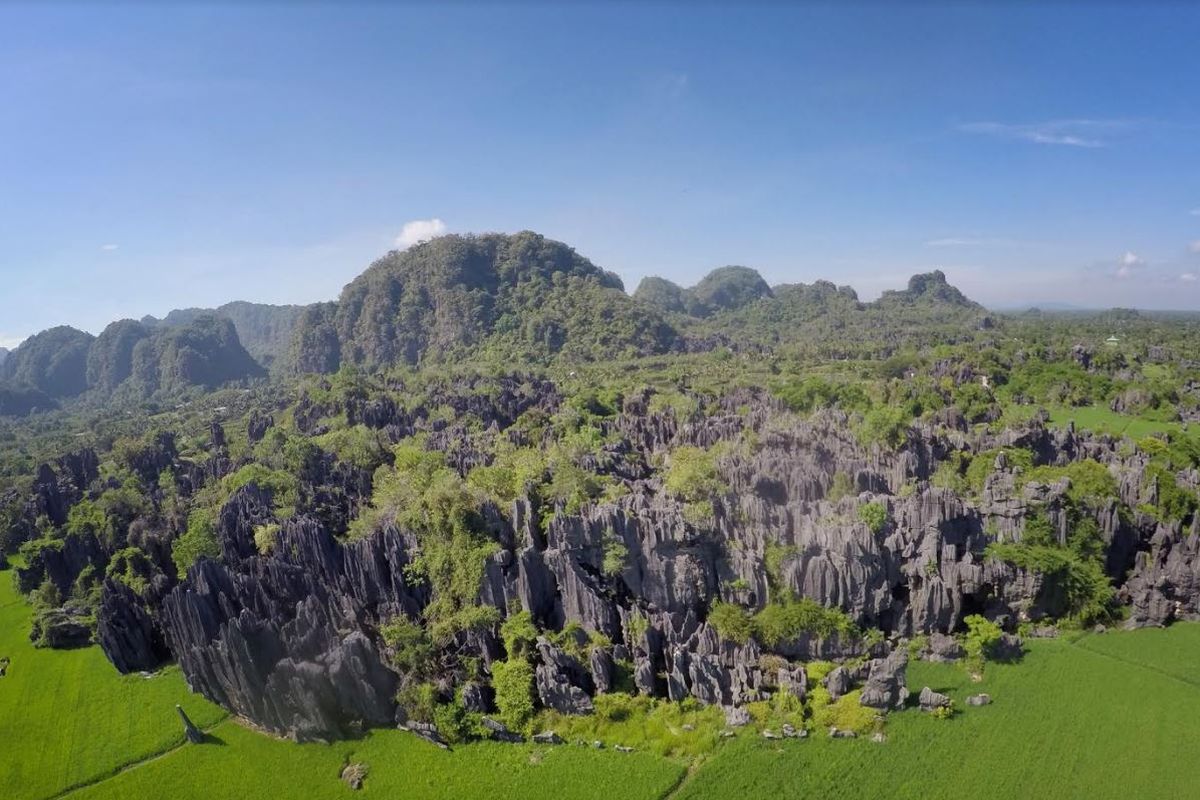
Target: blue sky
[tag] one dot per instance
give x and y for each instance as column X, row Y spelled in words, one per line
column 152, row 158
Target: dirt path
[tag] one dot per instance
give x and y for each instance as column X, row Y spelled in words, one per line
column 684, row 779
column 1082, row 645
column 130, row 765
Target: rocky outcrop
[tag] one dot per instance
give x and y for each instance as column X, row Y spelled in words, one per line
column 275, row 650
column 562, row 682
column 932, row 701
column 1164, row 584
column 291, row 641
column 190, row 731
column 288, row 641
column 60, row 561
column 885, row 687
column 941, row 647
column 126, row 632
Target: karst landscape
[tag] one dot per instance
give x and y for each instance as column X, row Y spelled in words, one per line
column 492, row 522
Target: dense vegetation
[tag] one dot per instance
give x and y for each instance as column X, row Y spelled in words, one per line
column 127, row 358
column 264, row 330
column 566, row 475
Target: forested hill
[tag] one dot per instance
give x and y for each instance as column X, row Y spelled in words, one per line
column 264, row 330
column 735, row 305
column 513, row 299
column 526, row 298
column 128, row 358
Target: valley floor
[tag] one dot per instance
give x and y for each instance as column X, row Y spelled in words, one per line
column 1110, row 716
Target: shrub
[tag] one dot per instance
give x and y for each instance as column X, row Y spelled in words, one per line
column 951, row 473
column 419, row 700
column 982, row 636
column 731, row 622
column 1039, row 531
column 1173, row 503
column 358, row 445
column 265, row 537
column 421, row 494
column 665, row 728
column 519, row 634
column 845, row 714
column 510, row 473
column 512, row 681
column 615, row 555
column 454, row 722
column 86, row 517
column 636, row 626
column 983, row 464
column 1089, row 479
column 839, row 488
column 283, row 486
column 412, row 652
column 780, row 622
column 874, row 516
column 775, row 556
column 692, row 474
column 973, row 401
column 200, row 539
column 886, row 426
column 132, row 567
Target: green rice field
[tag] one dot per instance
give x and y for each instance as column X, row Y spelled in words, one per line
column 1101, row 716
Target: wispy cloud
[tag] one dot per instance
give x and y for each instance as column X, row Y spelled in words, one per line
column 10, row 341
column 1129, row 265
column 1188, row 277
column 109, row 247
column 1086, row 133
column 972, row 241
column 1195, row 212
column 1194, row 247
column 419, row 230
column 672, row 85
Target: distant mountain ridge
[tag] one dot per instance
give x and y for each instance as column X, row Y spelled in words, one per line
column 266, row 331
column 734, row 304
column 128, row 357
column 519, row 298
column 3, row 354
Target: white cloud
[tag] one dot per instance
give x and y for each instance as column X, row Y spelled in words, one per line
column 419, row 230
column 1194, row 246
column 10, row 342
column 1087, row 133
column 1129, row 264
column 109, row 247
column 1188, row 277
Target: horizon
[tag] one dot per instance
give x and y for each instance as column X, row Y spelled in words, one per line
column 253, row 154
column 1052, row 307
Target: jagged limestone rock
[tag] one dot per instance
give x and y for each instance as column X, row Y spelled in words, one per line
column 190, row 731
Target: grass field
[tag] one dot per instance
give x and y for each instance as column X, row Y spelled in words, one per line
column 249, row 766
column 67, row 717
column 1104, row 420
column 1106, row 717
column 1111, row 716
